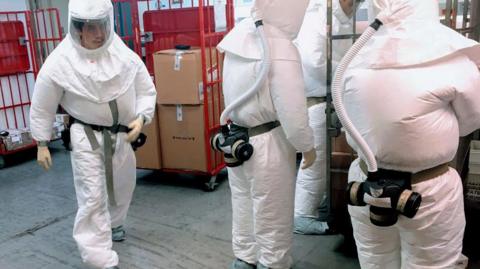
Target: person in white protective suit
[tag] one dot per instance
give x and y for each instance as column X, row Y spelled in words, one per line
column 263, row 187
column 108, row 92
column 411, row 91
column 312, row 46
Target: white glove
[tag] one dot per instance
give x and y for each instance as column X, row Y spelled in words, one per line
column 136, row 127
column 308, row 158
column 43, row 157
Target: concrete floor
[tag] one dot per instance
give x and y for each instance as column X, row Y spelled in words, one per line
column 171, row 223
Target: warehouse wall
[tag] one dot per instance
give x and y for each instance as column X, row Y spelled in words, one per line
column 9, row 5
column 61, row 5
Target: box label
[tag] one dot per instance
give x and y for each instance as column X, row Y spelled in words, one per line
column 178, row 58
column 179, row 113
column 184, row 138
column 200, row 91
column 16, row 139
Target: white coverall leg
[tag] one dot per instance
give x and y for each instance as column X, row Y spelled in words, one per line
column 413, row 125
column 118, row 212
column 311, row 182
column 312, row 44
column 262, row 201
column 99, row 84
column 263, row 187
column 382, row 244
column 430, row 240
column 102, row 86
column 95, row 215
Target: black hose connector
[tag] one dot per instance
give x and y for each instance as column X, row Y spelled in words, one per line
column 224, row 129
column 258, row 23
column 139, row 142
column 376, row 24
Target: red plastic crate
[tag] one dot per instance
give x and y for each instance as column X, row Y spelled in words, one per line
column 172, row 27
column 13, row 54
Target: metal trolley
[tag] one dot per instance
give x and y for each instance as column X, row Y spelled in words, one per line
column 150, row 26
column 336, row 175
column 26, row 39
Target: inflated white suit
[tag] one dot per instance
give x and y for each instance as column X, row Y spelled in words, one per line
column 312, row 46
column 263, row 187
column 411, row 92
column 84, row 82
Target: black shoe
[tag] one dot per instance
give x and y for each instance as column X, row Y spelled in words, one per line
column 239, row 264
column 118, row 234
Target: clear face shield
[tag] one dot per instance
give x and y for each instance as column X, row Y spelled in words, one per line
column 91, row 34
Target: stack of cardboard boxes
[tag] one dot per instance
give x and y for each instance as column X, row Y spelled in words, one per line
column 60, row 124
column 149, row 156
column 180, row 113
column 13, row 139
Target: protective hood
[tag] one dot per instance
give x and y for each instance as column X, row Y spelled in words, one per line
column 282, row 18
column 412, row 38
column 99, row 75
column 312, row 44
column 90, row 17
column 315, row 20
column 100, row 78
column 422, row 10
column 244, row 41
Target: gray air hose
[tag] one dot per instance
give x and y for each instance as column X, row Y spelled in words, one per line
column 259, row 83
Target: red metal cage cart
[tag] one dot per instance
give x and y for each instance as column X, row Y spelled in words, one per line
column 26, row 39
column 151, row 26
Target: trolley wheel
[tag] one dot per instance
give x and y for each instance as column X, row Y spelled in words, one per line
column 211, row 184
column 2, row 162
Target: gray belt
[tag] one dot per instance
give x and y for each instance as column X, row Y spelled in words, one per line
column 311, row 101
column 418, row 177
column 263, row 128
column 108, row 149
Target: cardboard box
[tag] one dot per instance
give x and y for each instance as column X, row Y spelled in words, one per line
column 182, row 134
column 178, row 75
column 17, row 138
column 339, row 144
column 63, row 118
column 339, row 182
column 149, row 156
column 342, row 160
column 57, row 129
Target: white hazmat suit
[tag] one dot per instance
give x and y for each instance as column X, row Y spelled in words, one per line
column 263, row 187
column 312, row 46
column 87, row 83
column 411, row 91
